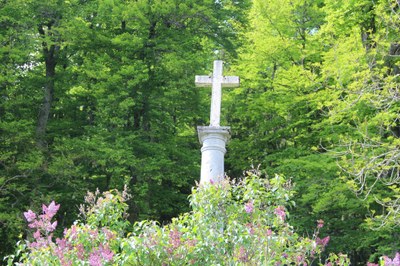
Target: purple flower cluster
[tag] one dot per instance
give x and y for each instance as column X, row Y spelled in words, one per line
column 249, row 206
column 320, row 224
column 242, row 254
column 69, row 247
column 42, row 223
column 97, row 256
column 280, row 212
column 322, row 242
column 264, row 226
column 392, row 262
column 250, row 228
column 175, row 238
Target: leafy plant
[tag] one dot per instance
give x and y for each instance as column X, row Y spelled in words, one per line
column 232, row 223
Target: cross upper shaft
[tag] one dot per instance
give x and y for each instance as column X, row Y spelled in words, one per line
column 217, row 81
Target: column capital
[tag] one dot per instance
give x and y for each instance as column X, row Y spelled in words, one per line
column 218, row 132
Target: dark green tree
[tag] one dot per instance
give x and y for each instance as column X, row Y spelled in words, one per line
column 100, row 94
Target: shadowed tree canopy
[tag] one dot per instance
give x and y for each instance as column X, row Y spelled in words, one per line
column 99, row 94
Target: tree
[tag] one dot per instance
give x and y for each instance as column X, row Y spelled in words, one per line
column 300, row 68
column 366, row 44
column 371, row 93
column 101, row 94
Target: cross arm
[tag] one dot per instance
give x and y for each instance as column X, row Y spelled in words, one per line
column 203, row 81
column 230, row 81
column 227, row 81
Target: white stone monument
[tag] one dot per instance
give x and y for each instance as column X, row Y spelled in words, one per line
column 214, row 137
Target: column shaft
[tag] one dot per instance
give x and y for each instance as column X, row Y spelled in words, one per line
column 214, row 140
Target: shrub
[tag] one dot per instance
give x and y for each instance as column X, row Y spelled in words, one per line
column 231, row 223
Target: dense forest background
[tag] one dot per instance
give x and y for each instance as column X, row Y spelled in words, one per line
column 100, row 94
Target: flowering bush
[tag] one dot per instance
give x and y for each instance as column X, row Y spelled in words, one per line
column 231, row 223
column 93, row 242
column 386, row 261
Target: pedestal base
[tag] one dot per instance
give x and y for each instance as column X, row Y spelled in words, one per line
column 214, row 140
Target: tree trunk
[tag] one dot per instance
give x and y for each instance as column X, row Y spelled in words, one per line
column 49, row 54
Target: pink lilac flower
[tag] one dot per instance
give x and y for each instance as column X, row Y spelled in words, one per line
column 51, row 210
column 60, row 253
column 30, row 216
column 81, row 251
column 33, row 245
column 372, row 264
column 269, row 232
column 243, row 255
column 95, row 259
column 249, row 206
column 387, row 261
column 36, row 224
column 320, row 223
column 322, row 242
column 390, row 262
column 280, row 212
column 73, row 232
column 175, row 238
column 396, row 259
column 106, row 253
column 40, row 242
column 191, row 242
column 37, row 234
column 109, row 234
column 250, row 228
column 299, row 259
column 93, row 234
column 62, row 243
column 51, row 227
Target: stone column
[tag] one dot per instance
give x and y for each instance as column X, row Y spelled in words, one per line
column 213, row 139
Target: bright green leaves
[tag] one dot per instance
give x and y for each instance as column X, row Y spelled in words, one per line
column 106, row 210
column 362, row 45
column 279, row 70
column 318, row 86
column 344, row 61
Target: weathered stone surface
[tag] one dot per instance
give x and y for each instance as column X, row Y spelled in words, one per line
column 214, row 140
column 214, row 137
column 217, row 82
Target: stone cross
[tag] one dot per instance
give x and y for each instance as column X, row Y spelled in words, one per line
column 217, row 81
column 214, row 137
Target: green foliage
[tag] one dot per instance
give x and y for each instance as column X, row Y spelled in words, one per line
column 231, row 223
column 318, row 102
column 234, row 223
column 368, row 106
column 100, row 94
column 93, row 240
